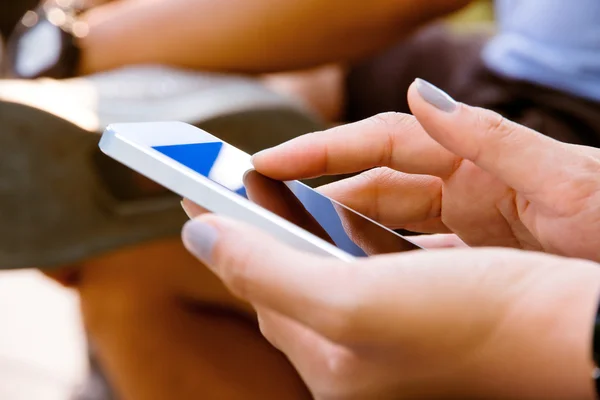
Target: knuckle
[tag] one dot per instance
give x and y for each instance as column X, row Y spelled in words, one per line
column 388, row 125
column 380, row 176
column 495, row 130
column 389, row 118
column 496, row 125
column 341, row 363
column 491, row 120
column 342, row 367
column 340, row 375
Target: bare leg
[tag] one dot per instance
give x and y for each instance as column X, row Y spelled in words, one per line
column 248, row 35
column 321, row 89
column 150, row 313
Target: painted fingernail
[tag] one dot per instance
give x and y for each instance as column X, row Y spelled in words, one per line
column 256, row 155
column 200, row 239
column 435, row 96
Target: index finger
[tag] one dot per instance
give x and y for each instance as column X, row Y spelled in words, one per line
column 391, row 140
column 276, row 197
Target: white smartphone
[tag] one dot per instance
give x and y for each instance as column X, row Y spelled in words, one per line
column 219, row 177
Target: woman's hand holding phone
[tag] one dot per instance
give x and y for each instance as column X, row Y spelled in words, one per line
column 467, row 171
column 459, row 323
column 489, row 323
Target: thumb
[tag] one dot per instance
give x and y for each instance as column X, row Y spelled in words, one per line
column 261, row 270
column 521, row 157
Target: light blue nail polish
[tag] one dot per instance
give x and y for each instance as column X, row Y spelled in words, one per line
column 200, row 239
column 435, row 96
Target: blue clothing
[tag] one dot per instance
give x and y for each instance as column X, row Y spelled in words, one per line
column 555, row 43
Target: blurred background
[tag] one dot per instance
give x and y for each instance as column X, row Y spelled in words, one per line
column 43, row 349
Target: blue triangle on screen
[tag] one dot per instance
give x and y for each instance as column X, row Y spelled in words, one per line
column 197, row 156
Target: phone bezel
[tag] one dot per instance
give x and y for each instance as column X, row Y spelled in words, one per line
column 132, row 145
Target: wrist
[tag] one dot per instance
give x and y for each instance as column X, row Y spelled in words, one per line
column 566, row 364
column 543, row 348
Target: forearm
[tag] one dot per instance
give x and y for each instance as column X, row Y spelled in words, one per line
column 248, row 35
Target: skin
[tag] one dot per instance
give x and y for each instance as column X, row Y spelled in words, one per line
column 105, row 48
column 255, row 38
column 558, row 294
column 321, row 89
column 173, row 331
column 118, row 36
column 471, row 173
column 455, row 323
column 446, row 324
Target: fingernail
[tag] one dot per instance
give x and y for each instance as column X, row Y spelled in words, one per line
column 256, row 155
column 200, row 239
column 187, row 212
column 435, row 96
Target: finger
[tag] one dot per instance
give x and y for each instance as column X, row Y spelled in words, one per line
column 587, row 150
column 192, row 209
column 392, row 298
column 522, row 158
column 391, row 198
column 392, row 140
column 371, row 238
column 262, row 271
column 293, row 339
column 276, row 197
column 441, row 241
column 278, row 329
column 434, row 225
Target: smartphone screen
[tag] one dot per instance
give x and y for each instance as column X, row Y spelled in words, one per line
column 293, row 201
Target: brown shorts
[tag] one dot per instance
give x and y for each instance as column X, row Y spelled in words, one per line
column 453, row 63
